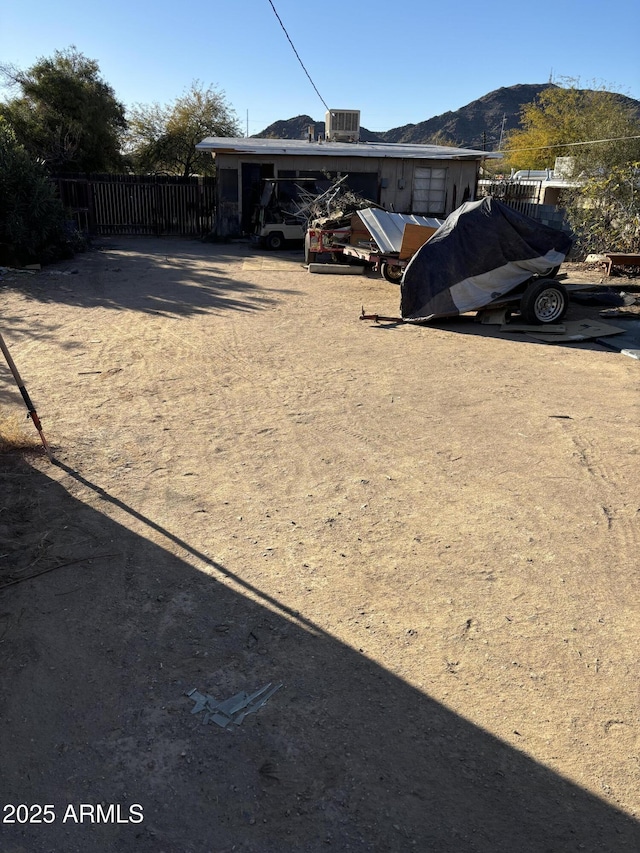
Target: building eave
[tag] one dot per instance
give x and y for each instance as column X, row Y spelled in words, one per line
column 302, row 148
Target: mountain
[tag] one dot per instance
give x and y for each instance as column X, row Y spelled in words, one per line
column 298, row 128
column 478, row 125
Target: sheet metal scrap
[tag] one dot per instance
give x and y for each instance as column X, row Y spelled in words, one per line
column 233, row 710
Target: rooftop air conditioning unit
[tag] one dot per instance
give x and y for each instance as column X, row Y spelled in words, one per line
column 343, row 125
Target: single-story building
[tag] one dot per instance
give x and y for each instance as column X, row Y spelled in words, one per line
column 431, row 180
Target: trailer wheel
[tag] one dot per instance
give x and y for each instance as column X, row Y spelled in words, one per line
column 309, row 256
column 544, row 301
column 391, row 272
column 274, row 241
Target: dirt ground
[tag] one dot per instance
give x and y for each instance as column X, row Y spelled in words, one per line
column 429, row 536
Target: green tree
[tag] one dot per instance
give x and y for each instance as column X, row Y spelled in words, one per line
column 162, row 139
column 561, row 117
column 66, row 116
column 31, row 216
column 599, row 131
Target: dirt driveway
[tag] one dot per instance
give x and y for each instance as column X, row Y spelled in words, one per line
column 429, row 536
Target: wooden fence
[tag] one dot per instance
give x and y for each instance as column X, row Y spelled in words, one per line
column 139, row 204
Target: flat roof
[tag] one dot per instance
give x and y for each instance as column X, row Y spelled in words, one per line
column 301, row 147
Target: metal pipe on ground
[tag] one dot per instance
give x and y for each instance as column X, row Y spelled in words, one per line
column 25, row 396
column 336, row 269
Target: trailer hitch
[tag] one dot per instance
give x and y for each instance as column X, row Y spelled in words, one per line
column 377, row 318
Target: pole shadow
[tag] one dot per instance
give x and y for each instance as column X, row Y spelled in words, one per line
column 100, row 650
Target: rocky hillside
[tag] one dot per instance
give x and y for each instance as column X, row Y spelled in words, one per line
column 298, row 128
column 477, row 125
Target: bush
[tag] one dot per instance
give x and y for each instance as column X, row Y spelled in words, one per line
column 13, row 436
column 604, row 213
column 31, row 216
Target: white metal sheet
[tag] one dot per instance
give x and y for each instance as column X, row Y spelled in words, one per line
column 387, row 229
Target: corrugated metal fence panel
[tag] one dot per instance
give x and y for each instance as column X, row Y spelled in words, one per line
column 547, row 214
column 140, row 205
column 523, row 198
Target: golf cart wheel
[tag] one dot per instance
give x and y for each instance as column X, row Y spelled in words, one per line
column 544, row 301
column 391, row 272
column 274, row 241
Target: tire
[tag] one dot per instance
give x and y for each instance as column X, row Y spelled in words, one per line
column 309, row 256
column 391, row 272
column 274, row 241
column 543, row 302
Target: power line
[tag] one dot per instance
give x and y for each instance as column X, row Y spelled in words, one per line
column 297, row 55
column 568, row 144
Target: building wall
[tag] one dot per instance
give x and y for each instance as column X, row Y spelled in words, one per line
column 395, row 181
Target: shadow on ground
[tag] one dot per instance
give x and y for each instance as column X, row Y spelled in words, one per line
column 627, row 338
column 172, row 277
column 99, row 650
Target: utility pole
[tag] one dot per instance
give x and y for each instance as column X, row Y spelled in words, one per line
column 504, row 119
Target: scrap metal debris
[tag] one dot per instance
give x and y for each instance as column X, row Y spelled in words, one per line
column 569, row 332
column 334, row 208
column 233, row 710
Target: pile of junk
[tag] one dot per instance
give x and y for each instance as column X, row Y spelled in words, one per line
column 338, row 224
column 485, row 256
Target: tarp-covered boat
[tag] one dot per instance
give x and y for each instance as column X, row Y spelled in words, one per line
column 483, row 251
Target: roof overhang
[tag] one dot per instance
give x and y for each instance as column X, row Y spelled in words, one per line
column 302, row 148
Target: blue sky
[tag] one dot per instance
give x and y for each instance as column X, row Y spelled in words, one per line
column 398, row 63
